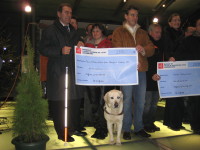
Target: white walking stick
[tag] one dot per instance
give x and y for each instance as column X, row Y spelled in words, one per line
column 66, row 104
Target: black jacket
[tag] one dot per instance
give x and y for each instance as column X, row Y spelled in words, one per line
column 152, row 62
column 172, row 39
column 54, row 38
column 189, row 49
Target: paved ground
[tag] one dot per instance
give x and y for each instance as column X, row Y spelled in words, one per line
column 165, row 139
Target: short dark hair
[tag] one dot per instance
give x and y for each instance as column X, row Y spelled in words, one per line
column 88, row 26
column 100, row 26
column 60, row 7
column 173, row 15
column 130, row 8
column 74, row 17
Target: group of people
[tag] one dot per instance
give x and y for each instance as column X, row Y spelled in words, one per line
column 174, row 44
column 140, row 101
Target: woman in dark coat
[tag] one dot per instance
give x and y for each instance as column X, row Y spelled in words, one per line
column 172, row 36
column 174, row 106
column 190, row 50
column 57, row 43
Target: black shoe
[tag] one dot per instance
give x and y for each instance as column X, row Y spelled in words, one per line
column 155, row 128
column 182, row 127
column 81, row 129
column 142, row 133
column 174, row 128
column 79, row 133
column 69, row 138
column 96, row 134
column 105, row 131
column 149, row 129
column 100, row 134
column 103, row 134
column 127, row 136
column 196, row 132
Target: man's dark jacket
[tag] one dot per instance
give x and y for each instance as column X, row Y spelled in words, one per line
column 53, row 39
column 152, row 61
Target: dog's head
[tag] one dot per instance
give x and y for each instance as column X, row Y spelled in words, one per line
column 113, row 98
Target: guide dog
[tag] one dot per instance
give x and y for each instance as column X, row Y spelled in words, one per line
column 113, row 113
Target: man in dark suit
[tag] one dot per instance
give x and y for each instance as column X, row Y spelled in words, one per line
column 57, row 43
column 152, row 95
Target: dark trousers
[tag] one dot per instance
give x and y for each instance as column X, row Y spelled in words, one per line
column 94, row 96
column 194, row 106
column 57, row 112
column 173, row 115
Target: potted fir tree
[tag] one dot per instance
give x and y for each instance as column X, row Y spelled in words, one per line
column 31, row 110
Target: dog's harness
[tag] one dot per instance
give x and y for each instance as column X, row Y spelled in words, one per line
column 113, row 114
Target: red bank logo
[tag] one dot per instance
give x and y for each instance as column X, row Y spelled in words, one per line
column 160, row 66
column 78, row 50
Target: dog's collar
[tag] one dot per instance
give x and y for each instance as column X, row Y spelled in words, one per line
column 113, row 114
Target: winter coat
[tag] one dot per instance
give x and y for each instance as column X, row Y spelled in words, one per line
column 172, row 39
column 189, row 49
column 105, row 43
column 123, row 38
column 53, row 39
column 157, row 57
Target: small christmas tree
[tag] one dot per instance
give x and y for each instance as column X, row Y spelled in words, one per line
column 31, row 109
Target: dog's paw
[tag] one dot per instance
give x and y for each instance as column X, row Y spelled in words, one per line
column 118, row 143
column 112, row 142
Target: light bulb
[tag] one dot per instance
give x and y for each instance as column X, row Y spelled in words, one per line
column 28, row 8
column 155, row 20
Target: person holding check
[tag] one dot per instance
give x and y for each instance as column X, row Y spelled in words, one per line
column 131, row 35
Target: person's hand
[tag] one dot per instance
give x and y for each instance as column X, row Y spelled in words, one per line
column 172, row 59
column 80, row 43
column 156, row 77
column 66, row 50
column 140, row 49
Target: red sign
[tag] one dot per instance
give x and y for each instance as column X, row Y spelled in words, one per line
column 160, row 66
column 78, row 50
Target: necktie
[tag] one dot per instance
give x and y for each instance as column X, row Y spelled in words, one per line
column 67, row 27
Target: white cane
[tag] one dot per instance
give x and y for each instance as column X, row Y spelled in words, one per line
column 66, row 104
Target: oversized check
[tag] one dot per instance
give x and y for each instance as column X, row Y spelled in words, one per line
column 106, row 66
column 178, row 79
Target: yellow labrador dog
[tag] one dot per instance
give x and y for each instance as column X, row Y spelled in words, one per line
column 113, row 113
